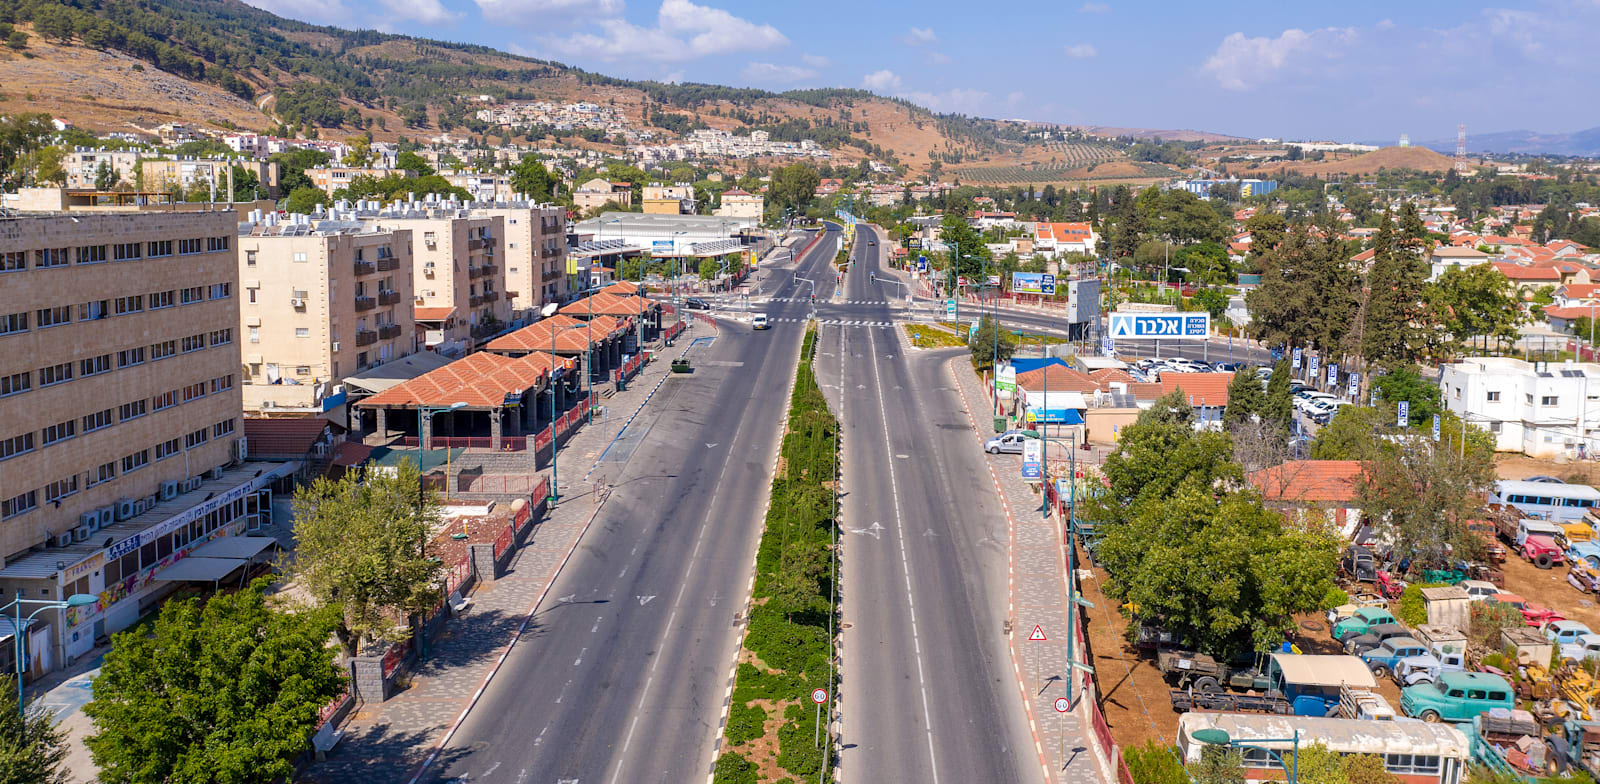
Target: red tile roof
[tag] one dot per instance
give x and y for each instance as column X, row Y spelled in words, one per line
column 481, row 380
column 1568, row 313
column 571, row 335
column 1309, row 481
column 621, row 288
column 1057, row 378
column 285, row 438
column 432, row 314
column 1109, row 375
column 1521, row 272
column 1212, row 388
column 608, row 305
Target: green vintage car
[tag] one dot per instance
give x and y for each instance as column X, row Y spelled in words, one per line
column 1360, row 621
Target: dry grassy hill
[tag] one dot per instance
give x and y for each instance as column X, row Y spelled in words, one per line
column 1418, row 158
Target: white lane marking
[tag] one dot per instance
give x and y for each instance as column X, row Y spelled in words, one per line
column 579, row 660
column 596, row 626
column 894, row 491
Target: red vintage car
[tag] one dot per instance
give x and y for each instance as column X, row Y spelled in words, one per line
column 1534, row 615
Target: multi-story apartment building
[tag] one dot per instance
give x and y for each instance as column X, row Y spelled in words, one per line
column 84, row 164
column 332, row 178
column 1537, row 408
column 162, row 174
column 739, row 203
column 320, row 302
column 668, row 199
column 481, row 186
column 536, row 253
column 119, row 412
column 459, row 272
column 600, row 191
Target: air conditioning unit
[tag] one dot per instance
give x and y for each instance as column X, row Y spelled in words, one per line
column 140, row 507
column 335, row 346
column 90, row 520
column 124, row 509
column 215, row 473
column 296, row 302
column 81, row 533
column 108, row 515
column 169, row 491
column 241, row 449
column 61, row 540
column 192, row 484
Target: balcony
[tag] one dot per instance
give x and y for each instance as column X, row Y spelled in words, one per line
column 510, row 295
column 476, row 244
column 388, row 297
column 366, row 337
column 490, row 296
column 475, row 300
column 388, row 264
column 489, row 269
column 365, row 303
column 550, row 276
column 473, row 273
column 387, row 332
column 365, row 268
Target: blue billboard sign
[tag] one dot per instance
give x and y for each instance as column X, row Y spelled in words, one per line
column 661, row 246
column 1159, row 326
column 1296, row 363
column 1033, row 283
column 1403, row 415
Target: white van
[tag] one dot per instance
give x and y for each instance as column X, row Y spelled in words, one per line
column 759, row 321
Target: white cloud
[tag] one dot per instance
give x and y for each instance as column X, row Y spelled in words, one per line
column 921, row 36
column 1081, row 51
column 319, row 11
column 953, row 100
column 423, row 11
column 545, row 13
column 1015, row 97
column 684, row 31
column 772, row 72
column 885, row 81
column 1095, row 8
column 1242, row 63
column 938, row 58
column 815, row 60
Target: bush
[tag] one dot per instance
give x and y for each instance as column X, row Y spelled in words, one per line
column 1412, row 611
column 797, row 746
column 733, row 768
column 1153, row 763
column 746, row 723
column 1336, row 598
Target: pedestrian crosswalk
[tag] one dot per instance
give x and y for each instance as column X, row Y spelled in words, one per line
column 833, row 322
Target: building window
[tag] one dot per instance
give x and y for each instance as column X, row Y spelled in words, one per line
column 255, row 333
column 249, row 258
column 1259, row 759
column 130, row 357
column 1548, row 400
column 222, row 428
column 1411, row 764
column 16, row 445
column 191, row 295
column 98, row 309
column 158, row 248
column 133, row 304
column 221, row 383
column 164, row 349
column 1493, row 397
column 55, row 374
column 250, row 295
column 221, row 290
column 50, row 257
column 13, row 261
column 61, row 488
column 60, row 431
column 165, row 400
column 303, row 370
column 217, row 243
column 166, row 449
column 299, row 255
column 125, row 251
column 194, row 391
column 94, row 366
column 194, row 343
column 99, row 420
column 15, row 384
column 221, row 337
column 104, row 473
column 302, row 332
column 11, row 507
column 161, row 299
column 51, row 317
column 196, row 438
column 133, row 410
column 136, row 461
column 12, row 323
column 91, row 254
column 189, row 246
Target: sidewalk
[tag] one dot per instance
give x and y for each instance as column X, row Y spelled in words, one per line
column 1038, row 598
column 387, row 741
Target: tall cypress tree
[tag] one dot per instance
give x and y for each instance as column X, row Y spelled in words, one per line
column 1245, row 397
column 1278, row 406
column 1396, row 326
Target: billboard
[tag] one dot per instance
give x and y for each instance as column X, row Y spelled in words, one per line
column 1033, row 283
column 1160, row 326
column 661, row 246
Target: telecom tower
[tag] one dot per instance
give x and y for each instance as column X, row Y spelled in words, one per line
column 1461, row 148
column 1405, row 140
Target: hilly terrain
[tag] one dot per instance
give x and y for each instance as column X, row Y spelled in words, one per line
column 1416, row 158
column 1584, row 143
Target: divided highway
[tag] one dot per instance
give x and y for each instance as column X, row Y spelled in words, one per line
column 622, row 674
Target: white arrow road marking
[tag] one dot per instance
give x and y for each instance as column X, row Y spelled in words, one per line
column 644, row 600
column 568, row 599
column 929, row 532
column 711, row 445
column 873, row 530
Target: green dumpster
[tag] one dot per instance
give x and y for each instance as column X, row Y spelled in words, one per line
column 999, row 424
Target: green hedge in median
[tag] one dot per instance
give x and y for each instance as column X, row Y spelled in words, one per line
column 792, row 605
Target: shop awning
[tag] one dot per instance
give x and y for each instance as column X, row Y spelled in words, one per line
column 200, row 569
column 233, row 547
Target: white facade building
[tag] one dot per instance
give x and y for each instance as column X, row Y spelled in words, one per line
column 1539, row 409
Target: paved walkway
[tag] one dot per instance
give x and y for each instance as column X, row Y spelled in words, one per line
column 1038, row 598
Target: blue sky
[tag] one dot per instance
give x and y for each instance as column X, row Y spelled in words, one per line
column 1348, row 71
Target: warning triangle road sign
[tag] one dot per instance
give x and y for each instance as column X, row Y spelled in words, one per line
column 1037, row 635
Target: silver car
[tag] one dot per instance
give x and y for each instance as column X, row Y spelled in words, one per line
column 1009, row 442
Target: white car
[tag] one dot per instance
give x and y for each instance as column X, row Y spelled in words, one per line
column 1478, row 590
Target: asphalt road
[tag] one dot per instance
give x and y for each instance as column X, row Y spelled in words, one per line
column 928, row 690
column 622, row 675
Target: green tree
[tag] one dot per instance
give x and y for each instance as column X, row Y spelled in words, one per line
column 224, row 691
column 1215, row 302
column 410, row 161
column 31, row 747
column 1246, row 399
column 246, row 185
column 1218, row 766
column 1153, row 763
column 1316, row 764
column 708, row 269
column 1395, row 328
column 1406, row 384
column 1305, row 298
column 968, row 252
column 105, row 176
column 532, row 178
column 304, row 199
column 1473, row 302
column 1208, row 263
column 1423, row 494
column 360, row 550
column 991, row 342
column 1349, row 435
column 1267, row 230
column 1278, row 407
column 360, row 154
column 292, row 167
column 794, row 187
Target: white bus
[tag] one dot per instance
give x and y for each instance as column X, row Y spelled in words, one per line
column 1546, row 500
column 1414, row 752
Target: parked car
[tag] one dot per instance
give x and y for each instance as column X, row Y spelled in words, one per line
column 1361, row 621
column 1427, row 668
column 1565, row 632
column 695, row 303
column 1009, row 442
column 1375, row 637
column 1456, row 696
column 1227, row 367
column 1478, row 590
column 1358, row 564
column 1587, row 646
column 1542, row 551
column 1382, row 659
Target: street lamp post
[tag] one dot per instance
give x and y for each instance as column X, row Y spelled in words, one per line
column 1212, row 736
column 429, row 411
column 75, row 600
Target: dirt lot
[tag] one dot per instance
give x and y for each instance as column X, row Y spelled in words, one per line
column 1512, row 466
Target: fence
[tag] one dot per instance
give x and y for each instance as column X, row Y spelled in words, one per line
column 542, row 441
column 674, row 331
column 334, row 706
column 507, row 443
column 394, row 657
column 500, row 484
column 1124, row 776
column 628, row 368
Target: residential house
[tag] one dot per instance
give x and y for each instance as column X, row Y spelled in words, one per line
column 329, row 179
column 738, row 203
column 1055, row 239
column 668, row 199
column 599, row 191
column 1206, row 392
column 1319, row 495
column 1539, row 409
column 1448, row 256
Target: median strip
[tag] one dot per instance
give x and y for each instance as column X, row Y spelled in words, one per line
column 774, row 731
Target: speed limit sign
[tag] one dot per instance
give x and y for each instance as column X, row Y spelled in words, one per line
column 819, row 696
column 1062, row 705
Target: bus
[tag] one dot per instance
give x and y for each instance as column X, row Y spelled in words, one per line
column 1546, row 500
column 1414, row 752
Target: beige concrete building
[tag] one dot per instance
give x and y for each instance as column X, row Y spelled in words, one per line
column 332, row 178
column 119, row 413
column 536, row 253
column 164, row 175
column 459, row 273
column 598, row 191
column 742, row 204
column 319, row 303
column 668, row 199
column 82, row 166
column 481, row 186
